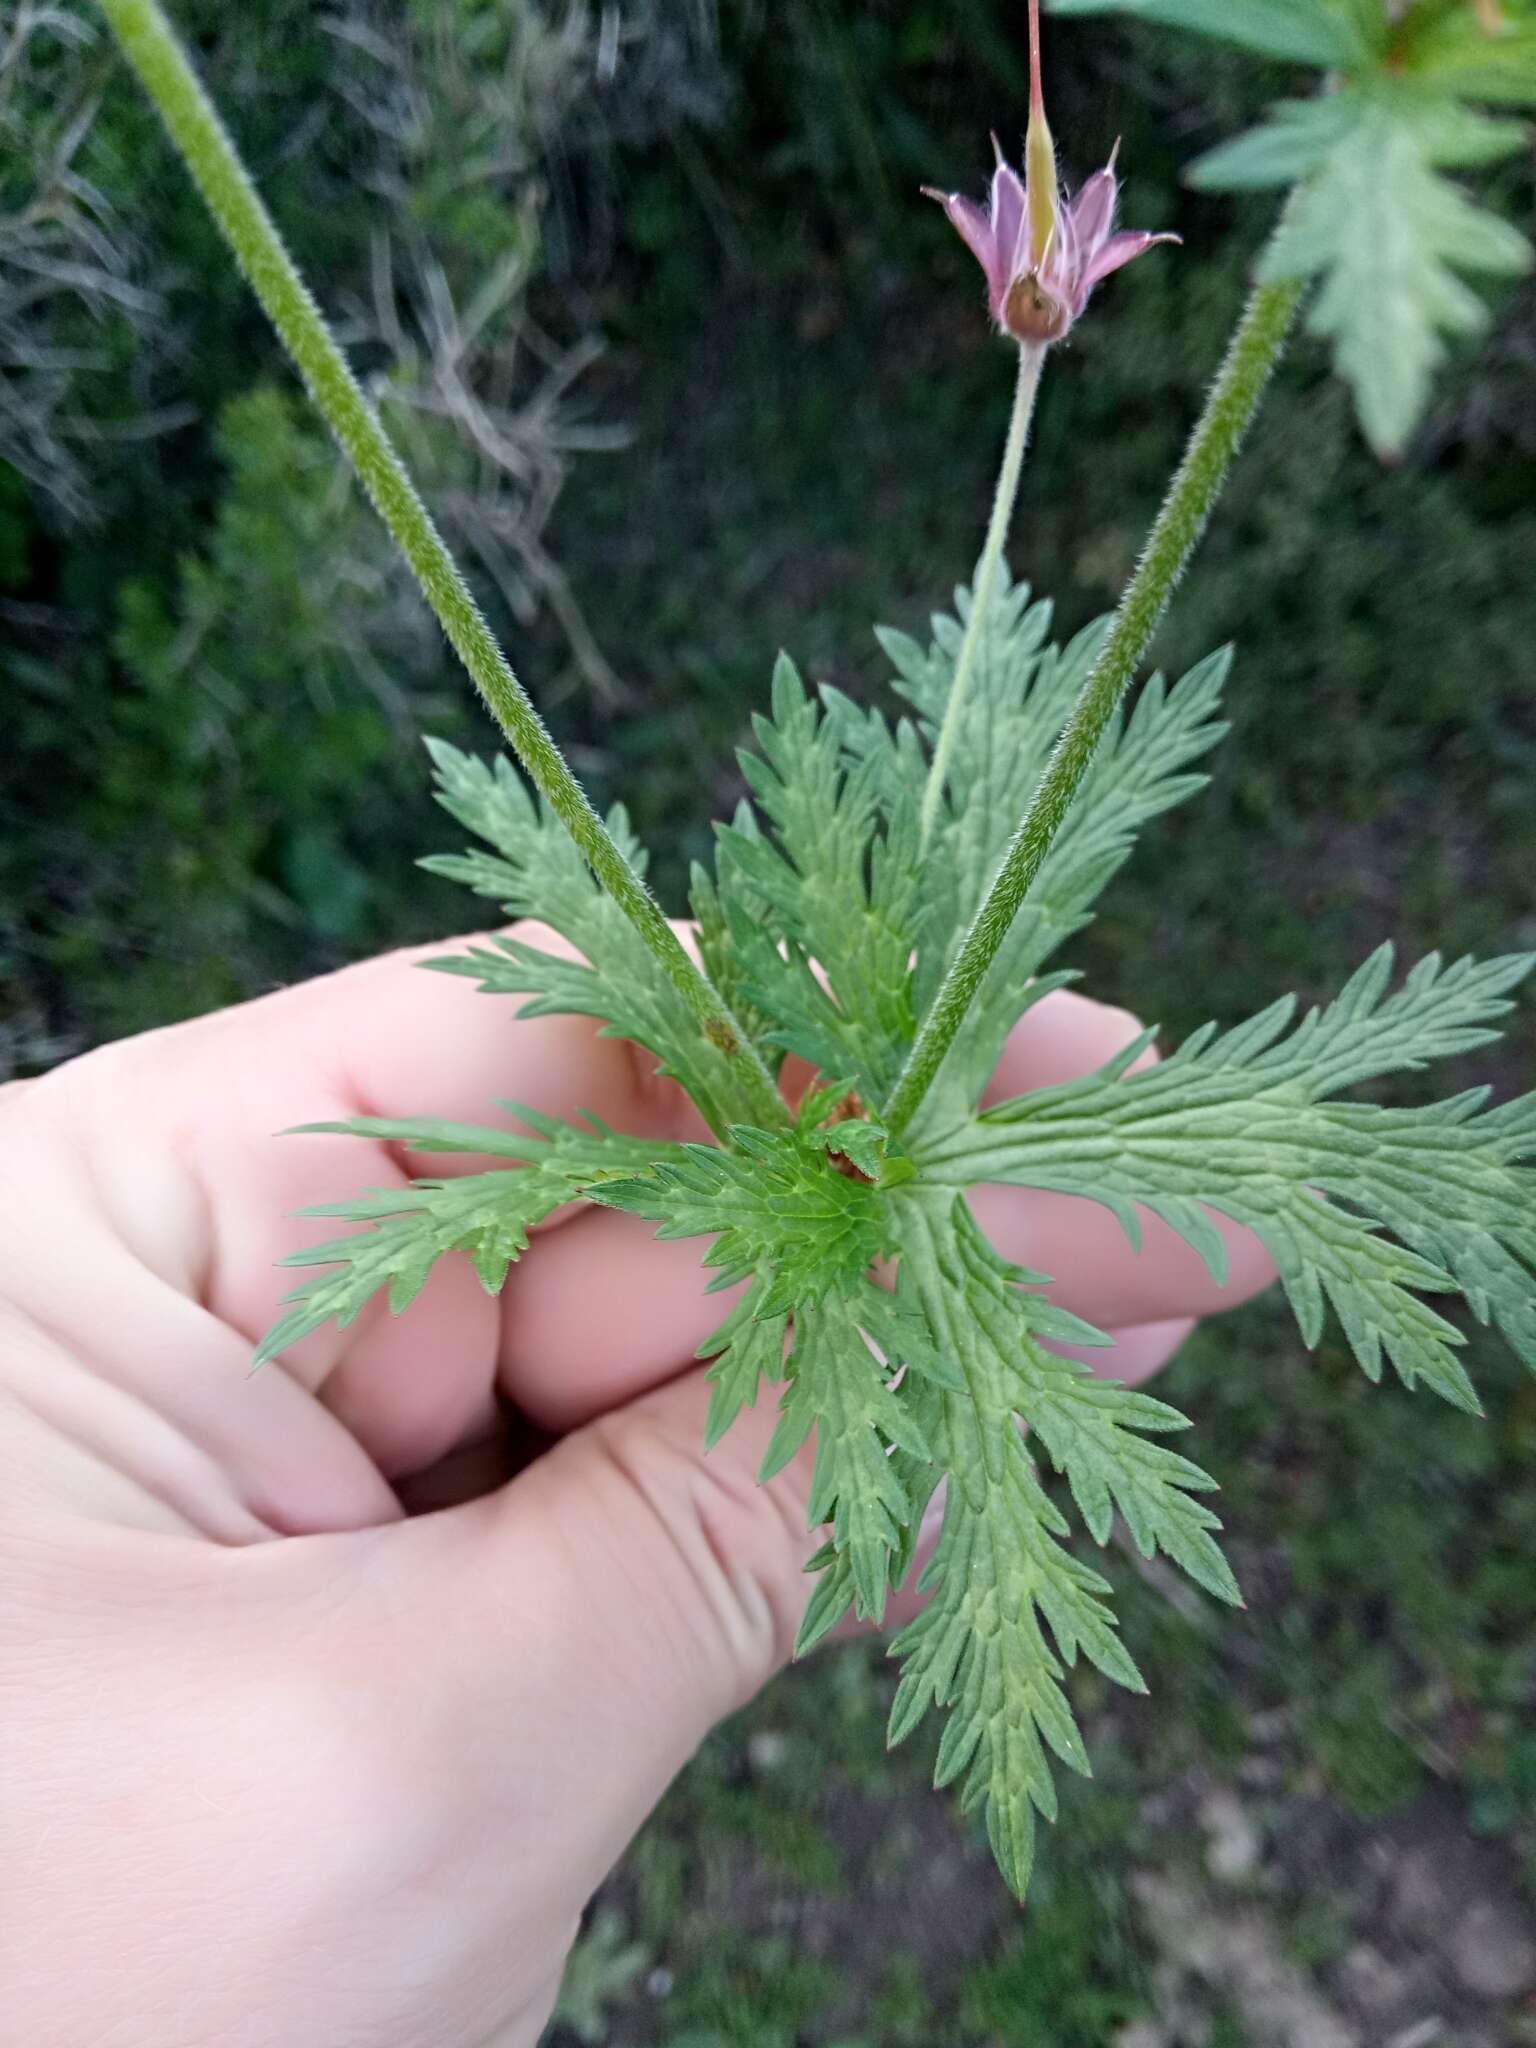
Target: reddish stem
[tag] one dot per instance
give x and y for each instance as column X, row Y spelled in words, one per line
column 1036, row 95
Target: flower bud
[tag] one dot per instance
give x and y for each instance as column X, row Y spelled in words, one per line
column 1042, row 254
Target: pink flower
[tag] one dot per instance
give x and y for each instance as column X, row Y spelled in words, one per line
column 1043, row 256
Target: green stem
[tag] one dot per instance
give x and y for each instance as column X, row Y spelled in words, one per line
column 1031, row 357
column 1230, row 406
column 150, row 45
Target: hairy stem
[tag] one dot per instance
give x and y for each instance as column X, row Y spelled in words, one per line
column 1031, row 357
column 150, row 45
column 1233, row 400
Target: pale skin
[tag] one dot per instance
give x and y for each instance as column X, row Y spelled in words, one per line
column 282, row 1763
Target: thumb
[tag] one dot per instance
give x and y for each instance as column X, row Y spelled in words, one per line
column 596, row 1618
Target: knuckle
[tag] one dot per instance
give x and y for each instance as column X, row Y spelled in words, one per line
column 728, row 1553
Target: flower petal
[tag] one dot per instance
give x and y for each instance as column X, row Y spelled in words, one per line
column 1007, row 219
column 1113, row 254
column 973, row 227
column 1064, row 257
column 1093, row 210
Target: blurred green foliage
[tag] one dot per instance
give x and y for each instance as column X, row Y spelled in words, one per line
column 218, row 674
column 211, row 779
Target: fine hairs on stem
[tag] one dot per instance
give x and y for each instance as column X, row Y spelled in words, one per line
column 1031, row 361
column 151, row 46
column 194, row 127
column 1230, row 406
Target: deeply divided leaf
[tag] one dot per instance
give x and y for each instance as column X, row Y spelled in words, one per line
column 1241, row 1124
column 487, row 1215
column 905, row 1355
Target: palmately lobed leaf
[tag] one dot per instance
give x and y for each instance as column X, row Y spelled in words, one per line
column 833, row 888
column 896, row 1337
column 1240, row 1124
column 773, row 1204
column 486, row 1215
column 538, row 872
column 1022, row 689
column 1000, row 1570
column 1387, row 235
column 747, row 1349
column 848, row 1393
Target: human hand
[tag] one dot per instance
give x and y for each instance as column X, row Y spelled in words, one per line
column 284, row 1764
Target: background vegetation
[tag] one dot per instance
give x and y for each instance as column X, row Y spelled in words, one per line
column 690, row 373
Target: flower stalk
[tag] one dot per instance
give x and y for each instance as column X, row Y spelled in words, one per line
column 152, row 48
column 1031, row 361
column 1234, row 398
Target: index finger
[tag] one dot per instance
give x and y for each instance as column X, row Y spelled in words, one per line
column 179, row 1130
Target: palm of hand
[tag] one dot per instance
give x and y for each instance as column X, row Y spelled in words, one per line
column 377, row 1762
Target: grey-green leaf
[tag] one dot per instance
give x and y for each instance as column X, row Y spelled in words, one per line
column 1387, row 237
column 487, row 1215
column 1297, row 31
column 1001, row 1575
column 1240, row 1124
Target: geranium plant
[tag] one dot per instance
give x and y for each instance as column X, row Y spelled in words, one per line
column 892, row 902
